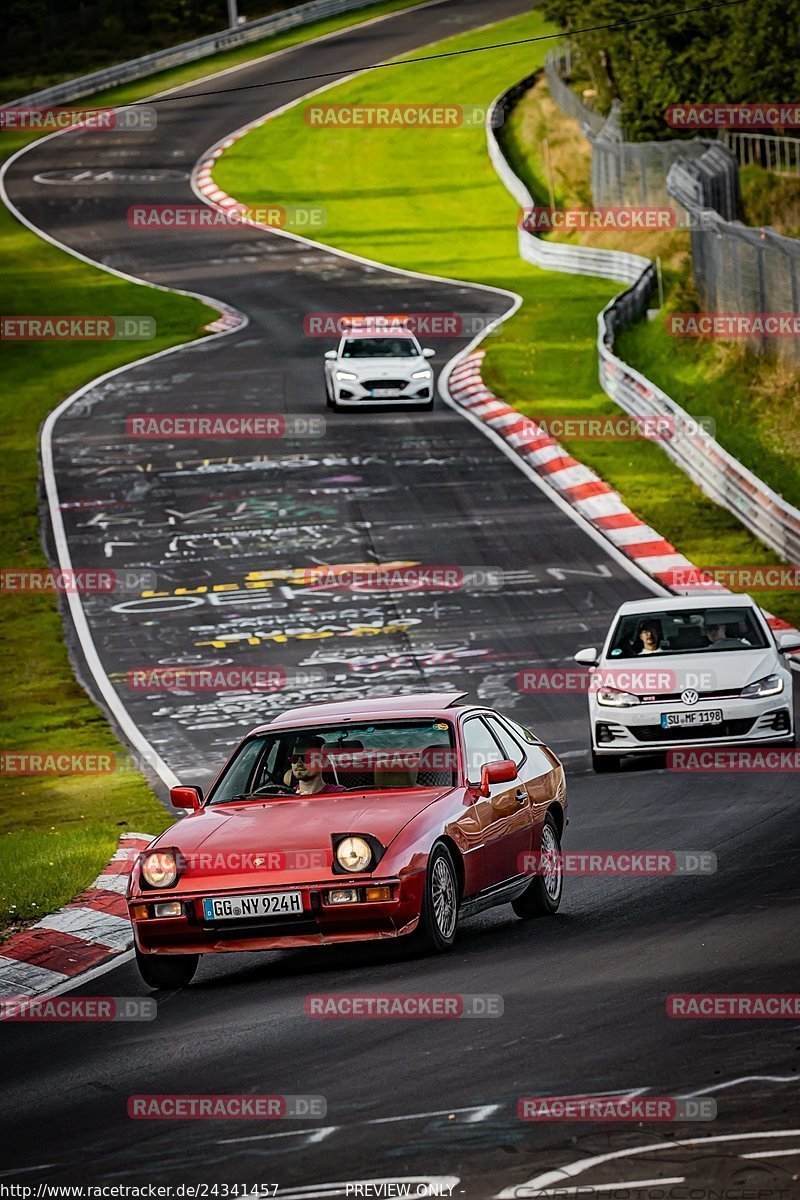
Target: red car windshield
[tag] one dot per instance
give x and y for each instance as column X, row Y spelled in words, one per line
column 375, row 756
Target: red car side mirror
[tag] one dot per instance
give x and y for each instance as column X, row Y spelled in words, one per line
column 186, row 797
column 503, row 771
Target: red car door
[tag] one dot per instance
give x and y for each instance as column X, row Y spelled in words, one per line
column 537, row 771
column 505, row 815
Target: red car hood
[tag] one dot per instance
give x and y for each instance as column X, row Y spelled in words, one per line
column 284, row 840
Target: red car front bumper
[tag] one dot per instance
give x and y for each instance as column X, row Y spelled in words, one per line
column 319, row 924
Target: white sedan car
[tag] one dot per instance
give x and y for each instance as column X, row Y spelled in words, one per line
column 371, row 366
column 683, row 672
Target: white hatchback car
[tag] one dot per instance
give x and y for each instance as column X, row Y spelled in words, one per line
column 375, row 366
column 688, row 672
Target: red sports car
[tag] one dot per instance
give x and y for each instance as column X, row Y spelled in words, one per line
column 348, row 822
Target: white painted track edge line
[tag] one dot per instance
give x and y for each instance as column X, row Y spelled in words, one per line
column 553, row 1178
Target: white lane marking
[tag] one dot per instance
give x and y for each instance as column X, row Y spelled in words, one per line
column 585, row 1189
column 480, row 1114
column 28, row 1170
column 772, row 1153
column 550, row 1179
column 312, row 1136
column 442, row 1112
column 718, row 1087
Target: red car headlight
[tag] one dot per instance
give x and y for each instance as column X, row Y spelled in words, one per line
column 160, row 868
column 354, row 854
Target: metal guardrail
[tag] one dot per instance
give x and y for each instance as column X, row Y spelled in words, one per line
column 575, row 260
column 716, row 472
column 187, row 52
column 557, row 64
column 737, row 269
column 779, row 154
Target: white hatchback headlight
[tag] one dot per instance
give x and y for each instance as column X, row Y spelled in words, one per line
column 770, row 685
column 422, row 374
column 160, row 868
column 345, row 375
column 613, row 698
column 354, row 854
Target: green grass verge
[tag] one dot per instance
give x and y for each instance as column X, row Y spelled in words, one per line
column 429, row 200
column 56, row 833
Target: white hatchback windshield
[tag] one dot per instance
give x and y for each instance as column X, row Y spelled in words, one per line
column 686, row 631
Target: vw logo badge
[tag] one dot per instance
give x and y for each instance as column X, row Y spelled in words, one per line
column 690, row 696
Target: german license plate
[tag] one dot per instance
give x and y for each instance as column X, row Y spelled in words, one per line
column 384, row 391
column 266, row 904
column 711, row 716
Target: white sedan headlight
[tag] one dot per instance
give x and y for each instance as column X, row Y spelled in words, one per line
column 613, row 698
column 345, row 375
column 353, row 854
column 160, row 868
column 770, row 685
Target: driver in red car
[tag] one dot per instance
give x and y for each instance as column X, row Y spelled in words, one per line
column 305, row 772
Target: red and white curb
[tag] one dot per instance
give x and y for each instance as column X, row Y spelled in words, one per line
column 585, row 491
column 79, row 937
column 228, row 319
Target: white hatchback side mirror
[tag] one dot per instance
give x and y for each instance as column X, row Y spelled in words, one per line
column 330, row 355
column 428, row 353
column 789, row 640
column 587, row 657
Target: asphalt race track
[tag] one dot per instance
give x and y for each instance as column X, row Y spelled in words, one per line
column 584, row 994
